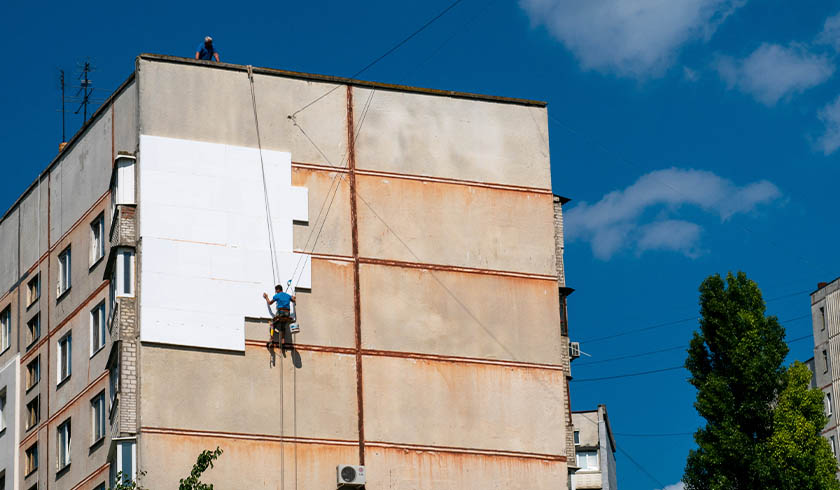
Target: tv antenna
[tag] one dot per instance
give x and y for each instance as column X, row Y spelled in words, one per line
column 84, row 95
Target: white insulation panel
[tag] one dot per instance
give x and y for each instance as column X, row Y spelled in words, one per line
column 206, row 258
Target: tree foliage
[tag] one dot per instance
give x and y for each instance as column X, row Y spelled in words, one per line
column 205, row 460
column 756, row 411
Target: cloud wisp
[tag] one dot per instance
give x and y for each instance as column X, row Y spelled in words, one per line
column 773, row 72
column 831, row 32
column 618, row 221
column 638, row 39
column 829, row 115
column 676, row 486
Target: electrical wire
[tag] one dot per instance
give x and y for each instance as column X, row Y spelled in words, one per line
column 382, row 56
column 628, row 375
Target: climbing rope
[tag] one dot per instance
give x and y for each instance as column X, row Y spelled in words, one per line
column 275, row 270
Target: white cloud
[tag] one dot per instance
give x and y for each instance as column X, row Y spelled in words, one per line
column 675, row 486
column 773, row 71
column 831, row 32
column 829, row 141
column 638, row 38
column 690, row 75
column 618, row 220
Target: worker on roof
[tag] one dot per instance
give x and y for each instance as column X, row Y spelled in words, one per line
column 206, row 50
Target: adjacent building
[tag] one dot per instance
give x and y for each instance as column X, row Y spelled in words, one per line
column 594, row 450
column 825, row 315
column 417, row 227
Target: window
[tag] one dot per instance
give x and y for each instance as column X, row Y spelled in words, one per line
column 833, row 445
column 33, row 330
column 101, row 486
column 33, row 413
column 5, row 329
column 97, row 239
column 124, row 273
column 825, row 361
column 31, row 459
column 63, row 439
column 577, row 438
column 123, row 461
column 64, row 282
column 33, row 372
column 587, row 460
column 828, row 405
column 123, row 187
column 65, row 351
column 97, row 328
column 2, row 410
column 114, row 382
column 822, row 316
column 33, row 290
column 97, row 412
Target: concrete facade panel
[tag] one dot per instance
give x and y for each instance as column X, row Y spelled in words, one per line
column 509, row 409
column 125, row 120
column 400, row 469
column 456, row 138
column 487, row 316
column 318, row 389
column 9, row 271
column 329, row 197
column 9, row 426
column 81, row 177
column 33, row 227
column 206, row 104
column 245, row 464
column 441, row 224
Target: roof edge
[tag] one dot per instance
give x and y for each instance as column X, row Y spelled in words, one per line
column 70, row 143
column 342, row 80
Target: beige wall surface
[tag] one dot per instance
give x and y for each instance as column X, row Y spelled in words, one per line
column 242, row 393
column 206, row 104
column 463, row 405
column 399, row 469
column 452, row 137
column 329, row 198
column 456, row 225
column 458, row 314
column 244, row 464
column 587, row 424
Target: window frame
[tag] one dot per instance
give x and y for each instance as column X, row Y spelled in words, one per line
column 124, row 275
column 31, row 298
column 63, row 446
column 36, row 335
column 31, row 459
column 98, row 409
column 825, row 360
column 31, row 422
column 97, row 244
column 98, row 332
column 64, row 359
column 65, row 268
column 588, row 455
column 822, row 315
column 3, row 414
column 577, row 437
column 32, row 381
column 5, row 329
column 829, row 404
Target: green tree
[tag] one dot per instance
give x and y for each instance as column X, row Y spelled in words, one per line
column 802, row 456
column 205, row 460
column 751, row 404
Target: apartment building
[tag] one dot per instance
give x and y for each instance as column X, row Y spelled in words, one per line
column 825, row 316
column 594, row 450
column 417, row 228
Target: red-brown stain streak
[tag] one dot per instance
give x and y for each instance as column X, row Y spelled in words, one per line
column 90, row 477
column 66, row 406
column 350, row 442
column 426, row 178
column 52, row 331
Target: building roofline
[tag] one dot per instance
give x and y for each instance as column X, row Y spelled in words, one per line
column 70, row 143
column 341, row 80
column 829, row 283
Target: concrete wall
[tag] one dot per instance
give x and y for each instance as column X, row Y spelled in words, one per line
column 444, row 369
column 825, row 314
column 10, row 435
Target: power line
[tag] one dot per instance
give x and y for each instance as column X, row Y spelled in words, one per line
column 382, row 56
column 641, row 468
column 669, row 434
column 631, row 356
column 628, row 375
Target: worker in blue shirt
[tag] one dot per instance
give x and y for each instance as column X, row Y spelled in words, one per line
column 280, row 300
column 206, row 50
column 282, row 316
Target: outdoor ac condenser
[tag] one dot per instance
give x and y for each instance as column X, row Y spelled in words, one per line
column 350, row 476
column 574, row 350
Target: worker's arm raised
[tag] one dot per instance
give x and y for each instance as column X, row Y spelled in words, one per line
column 267, row 300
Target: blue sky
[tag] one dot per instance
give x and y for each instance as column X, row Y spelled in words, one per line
column 694, row 137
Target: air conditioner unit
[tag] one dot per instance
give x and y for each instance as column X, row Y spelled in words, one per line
column 574, row 350
column 350, row 476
